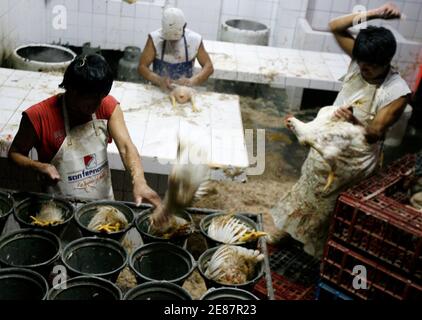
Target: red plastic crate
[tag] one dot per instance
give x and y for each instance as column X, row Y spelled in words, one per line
column 381, row 228
column 387, row 181
column 337, row 268
column 283, row 289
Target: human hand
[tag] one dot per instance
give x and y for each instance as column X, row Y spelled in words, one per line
column 50, row 172
column 159, row 217
column 142, row 191
column 188, row 82
column 387, row 11
column 165, row 84
column 345, row 113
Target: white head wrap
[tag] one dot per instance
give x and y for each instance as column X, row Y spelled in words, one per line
column 173, row 23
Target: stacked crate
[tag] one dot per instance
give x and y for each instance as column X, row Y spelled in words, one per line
column 374, row 227
column 294, row 273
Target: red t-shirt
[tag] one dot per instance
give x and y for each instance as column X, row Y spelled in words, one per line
column 48, row 122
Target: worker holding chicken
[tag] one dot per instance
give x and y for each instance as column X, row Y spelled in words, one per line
column 172, row 51
column 346, row 138
column 71, row 132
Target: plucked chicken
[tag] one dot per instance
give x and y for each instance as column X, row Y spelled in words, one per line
column 182, row 95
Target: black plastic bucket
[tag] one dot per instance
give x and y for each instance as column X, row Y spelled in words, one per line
column 142, row 225
column 34, row 249
column 31, row 207
column 157, row 290
column 6, row 208
column 22, row 284
column 95, row 256
column 85, row 288
column 226, row 293
column 160, row 261
column 205, row 222
column 206, row 257
column 86, row 212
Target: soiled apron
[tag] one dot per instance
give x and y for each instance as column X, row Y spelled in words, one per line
column 173, row 70
column 82, row 161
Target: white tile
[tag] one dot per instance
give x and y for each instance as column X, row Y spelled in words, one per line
column 407, row 28
column 127, row 23
column 288, row 18
column 85, row 6
column 99, row 36
column 230, row 6
column 113, row 7
column 142, row 10
column 84, row 19
column 341, row 6
column 128, row 10
column 323, row 5
column 411, row 10
column 246, row 8
column 113, row 23
column 85, row 34
column 72, row 5
column 320, row 20
column 290, row 5
column 99, row 7
column 8, row 103
column 155, row 12
column 99, row 21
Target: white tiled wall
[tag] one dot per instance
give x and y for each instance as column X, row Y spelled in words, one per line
column 110, row 24
column 320, row 12
column 288, row 13
column 19, row 25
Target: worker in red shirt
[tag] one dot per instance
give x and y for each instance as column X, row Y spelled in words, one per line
column 71, row 132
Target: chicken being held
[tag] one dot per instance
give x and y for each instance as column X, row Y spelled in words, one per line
column 108, row 219
column 337, row 141
column 229, row 229
column 182, row 95
column 50, row 215
column 187, row 181
column 233, row 264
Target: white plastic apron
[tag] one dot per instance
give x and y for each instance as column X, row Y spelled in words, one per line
column 82, row 161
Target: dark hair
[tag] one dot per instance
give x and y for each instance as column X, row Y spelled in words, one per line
column 88, row 74
column 375, row 45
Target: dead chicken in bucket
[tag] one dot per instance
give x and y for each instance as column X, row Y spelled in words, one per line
column 233, row 264
column 49, row 215
column 187, row 182
column 108, row 219
column 230, row 230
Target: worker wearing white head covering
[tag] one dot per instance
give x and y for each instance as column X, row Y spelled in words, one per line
column 173, row 24
column 172, row 50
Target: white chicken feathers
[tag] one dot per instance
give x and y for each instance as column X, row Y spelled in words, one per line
column 233, row 264
column 334, row 139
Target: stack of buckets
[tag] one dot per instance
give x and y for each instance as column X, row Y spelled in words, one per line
column 36, row 263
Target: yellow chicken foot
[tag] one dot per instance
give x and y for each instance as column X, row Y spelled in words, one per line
column 194, row 108
column 109, row 227
column 330, row 180
column 39, row 222
column 173, row 101
column 253, row 235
